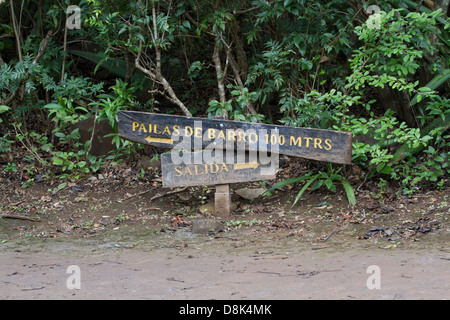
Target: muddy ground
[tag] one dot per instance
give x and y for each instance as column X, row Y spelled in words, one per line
column 133, row 239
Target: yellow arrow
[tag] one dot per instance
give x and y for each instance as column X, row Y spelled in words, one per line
column 159, row 140
column 241, row 166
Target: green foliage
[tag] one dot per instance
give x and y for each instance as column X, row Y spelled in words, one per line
column 304, row 111
column 2, row 110
column 388, row 57
column 391, row 54
column 65, row 113
column 73, row 88
column 291, row 66
column 393, row 61
column 300, row 63
column 236, row 106
column 317, row 180
column 108, row 108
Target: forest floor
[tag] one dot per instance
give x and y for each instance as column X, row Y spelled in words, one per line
column 133, row 239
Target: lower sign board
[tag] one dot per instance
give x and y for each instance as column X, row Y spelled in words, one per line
column 194, row 169
column 169, row 131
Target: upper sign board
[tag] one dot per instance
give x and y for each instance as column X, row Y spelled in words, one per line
column 177, row 132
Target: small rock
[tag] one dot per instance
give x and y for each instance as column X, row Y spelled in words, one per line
column 205, row 226
column 250, row 194
column 207, row 208
column 148, row 164
column 184, row 197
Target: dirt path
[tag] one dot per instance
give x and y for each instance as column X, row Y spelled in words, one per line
column 187, row 266
column 128, row 238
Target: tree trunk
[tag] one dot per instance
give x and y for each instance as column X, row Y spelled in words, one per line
column 398, row 101
column 220, row 75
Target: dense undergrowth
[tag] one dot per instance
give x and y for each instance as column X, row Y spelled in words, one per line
column 380, row 74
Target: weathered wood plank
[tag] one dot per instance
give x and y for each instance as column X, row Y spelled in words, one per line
column 168, row 131
column 199, row 171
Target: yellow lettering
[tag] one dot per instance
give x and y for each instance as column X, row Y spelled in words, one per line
column 198, row 132
column 142, row 128
column 176, row 131
column 241, row 135
column 295, row 141
column 328, row 144
column 211, row 133
column 273, row 139
column 186, row 129
column 317, row 143
column 255, row 139
column 166, row 130
column 221, row 135
column 187, row 170
column 281, row 140
column 231, row 135
column 135, row 125
column 155, row 129
column 224, row 167
column 178, row 170
column 308, row 139
column 214, row 168
column 196, row 170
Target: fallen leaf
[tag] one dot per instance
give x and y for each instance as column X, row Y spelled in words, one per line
column 46, row 199
column 259, row 208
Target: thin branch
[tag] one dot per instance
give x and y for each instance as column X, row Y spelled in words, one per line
column 192, row 20
column 229, row 61
column 65, row 45
column 220, row 74
column 16, row 30
column 138, row 65
column 42, row 48
column 239, row 81
column 156, row 74
column 155, row 30
column 154, row 197
column 168, row 13
column 26, row 147
column 158, row 77
column 92, row 134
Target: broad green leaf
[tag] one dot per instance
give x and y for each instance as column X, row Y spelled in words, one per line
column 435, row 83
column 4, row 108
column 307, row 184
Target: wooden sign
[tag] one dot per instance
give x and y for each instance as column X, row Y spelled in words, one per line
column 170, row 131
column 196, row 169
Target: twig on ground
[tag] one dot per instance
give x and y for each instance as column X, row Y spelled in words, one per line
column 19, row 217
column 332, row 232
column 167, row 194
column 154, row 197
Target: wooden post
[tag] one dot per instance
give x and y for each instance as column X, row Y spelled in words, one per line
column 222, row 201
column 222, row 198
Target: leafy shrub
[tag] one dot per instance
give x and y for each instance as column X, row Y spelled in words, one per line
column 391, row 61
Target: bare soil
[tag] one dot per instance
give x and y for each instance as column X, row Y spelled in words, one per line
column 133, row 239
